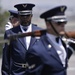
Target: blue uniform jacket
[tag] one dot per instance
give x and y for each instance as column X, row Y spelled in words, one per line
column 44, row 60
column 14, row 53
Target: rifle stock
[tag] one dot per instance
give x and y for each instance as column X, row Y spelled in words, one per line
column 21, row 35
column 33, row 34
column 70, row 34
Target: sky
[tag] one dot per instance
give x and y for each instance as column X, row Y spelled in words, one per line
column 8, row 4
column 42, row 6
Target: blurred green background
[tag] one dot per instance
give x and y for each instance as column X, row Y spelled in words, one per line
column 1, row 46
column 3, row 19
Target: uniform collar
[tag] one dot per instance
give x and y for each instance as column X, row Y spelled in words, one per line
column 29, row 28
column 50, row 36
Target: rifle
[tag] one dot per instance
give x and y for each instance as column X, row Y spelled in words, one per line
column 33, row 34
column 21, row 35
column 69, row 34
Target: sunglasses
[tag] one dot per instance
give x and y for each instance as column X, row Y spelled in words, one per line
column 60, row 23
column 25, row 15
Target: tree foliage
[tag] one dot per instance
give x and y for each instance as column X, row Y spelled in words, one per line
column 3, row 18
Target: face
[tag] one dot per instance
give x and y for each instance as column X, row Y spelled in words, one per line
column 59, row 27
column 15, row 21
column 25, row 19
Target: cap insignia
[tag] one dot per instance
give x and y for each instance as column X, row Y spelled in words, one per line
column 62, row 9
column 24, row 5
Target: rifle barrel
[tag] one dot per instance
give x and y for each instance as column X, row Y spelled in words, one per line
column 4, row 41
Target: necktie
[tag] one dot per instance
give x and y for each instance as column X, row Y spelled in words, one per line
column 24, row 28
column 57, row 39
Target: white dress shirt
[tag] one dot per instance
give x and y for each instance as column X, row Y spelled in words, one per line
column 28, row 38
column 58, row 47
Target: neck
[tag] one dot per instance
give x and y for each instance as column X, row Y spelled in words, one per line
column 27, row 24
column 53, row 33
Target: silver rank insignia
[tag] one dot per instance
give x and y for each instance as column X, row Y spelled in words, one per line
column 32, row 66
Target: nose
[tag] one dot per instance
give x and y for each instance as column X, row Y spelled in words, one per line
column 24, row 16
column 62, row 25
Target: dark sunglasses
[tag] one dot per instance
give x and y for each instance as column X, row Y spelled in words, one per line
column 60, row 23
column 24, row 15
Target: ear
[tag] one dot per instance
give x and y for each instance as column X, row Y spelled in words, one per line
column 47, row 23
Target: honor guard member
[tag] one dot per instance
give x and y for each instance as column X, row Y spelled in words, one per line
column 13, row 20
column 25, row 16
column 49, row 55
column 14, row 54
